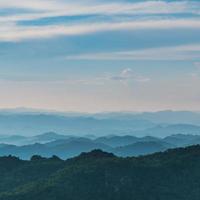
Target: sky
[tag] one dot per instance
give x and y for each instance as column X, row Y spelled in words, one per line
column 100, row 55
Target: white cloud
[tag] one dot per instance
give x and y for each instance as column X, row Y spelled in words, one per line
column 127, row 72
column 128, row 75
column 183, row 52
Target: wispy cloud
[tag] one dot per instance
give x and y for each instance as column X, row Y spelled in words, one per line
column 122, row 17
column 12, row 32
column 184, row 52
column 102, row 7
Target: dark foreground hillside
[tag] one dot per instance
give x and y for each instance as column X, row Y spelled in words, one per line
column 172, row 175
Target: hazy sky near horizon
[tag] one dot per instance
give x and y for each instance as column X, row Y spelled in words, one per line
column 100, row 55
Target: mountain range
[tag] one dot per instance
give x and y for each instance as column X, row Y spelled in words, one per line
column 50, row 144
column 68, row 134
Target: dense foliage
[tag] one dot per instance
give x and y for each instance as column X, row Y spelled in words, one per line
column 172, row 175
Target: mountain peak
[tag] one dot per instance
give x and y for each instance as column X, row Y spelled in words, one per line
column 97, row 153
column 49, row 134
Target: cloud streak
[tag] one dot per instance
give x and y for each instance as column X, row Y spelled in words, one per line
column 11, row 32
column 102, row 7
column 183, row 52
column 120, row 16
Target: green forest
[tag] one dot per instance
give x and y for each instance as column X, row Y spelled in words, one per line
column 97, row 175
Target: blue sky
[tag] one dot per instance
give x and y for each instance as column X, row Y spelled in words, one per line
column 97, row 55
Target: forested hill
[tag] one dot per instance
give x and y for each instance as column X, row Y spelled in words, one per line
column 172, row 175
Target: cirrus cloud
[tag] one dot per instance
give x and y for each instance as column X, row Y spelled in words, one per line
column 120, row 16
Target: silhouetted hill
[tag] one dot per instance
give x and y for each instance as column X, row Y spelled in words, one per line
column 98, row 175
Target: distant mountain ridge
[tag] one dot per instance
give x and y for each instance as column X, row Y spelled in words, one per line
column 69, row 146
column 32, row 124
column 159, row 117
column 68, row 134
column 172, row 129
column 29, row 122
column 158, row 131
column 141, row 148
column 22, row 140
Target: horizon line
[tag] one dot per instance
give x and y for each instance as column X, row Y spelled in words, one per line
column 32, row 109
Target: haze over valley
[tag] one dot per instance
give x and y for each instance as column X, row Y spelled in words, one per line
column 28, row 133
